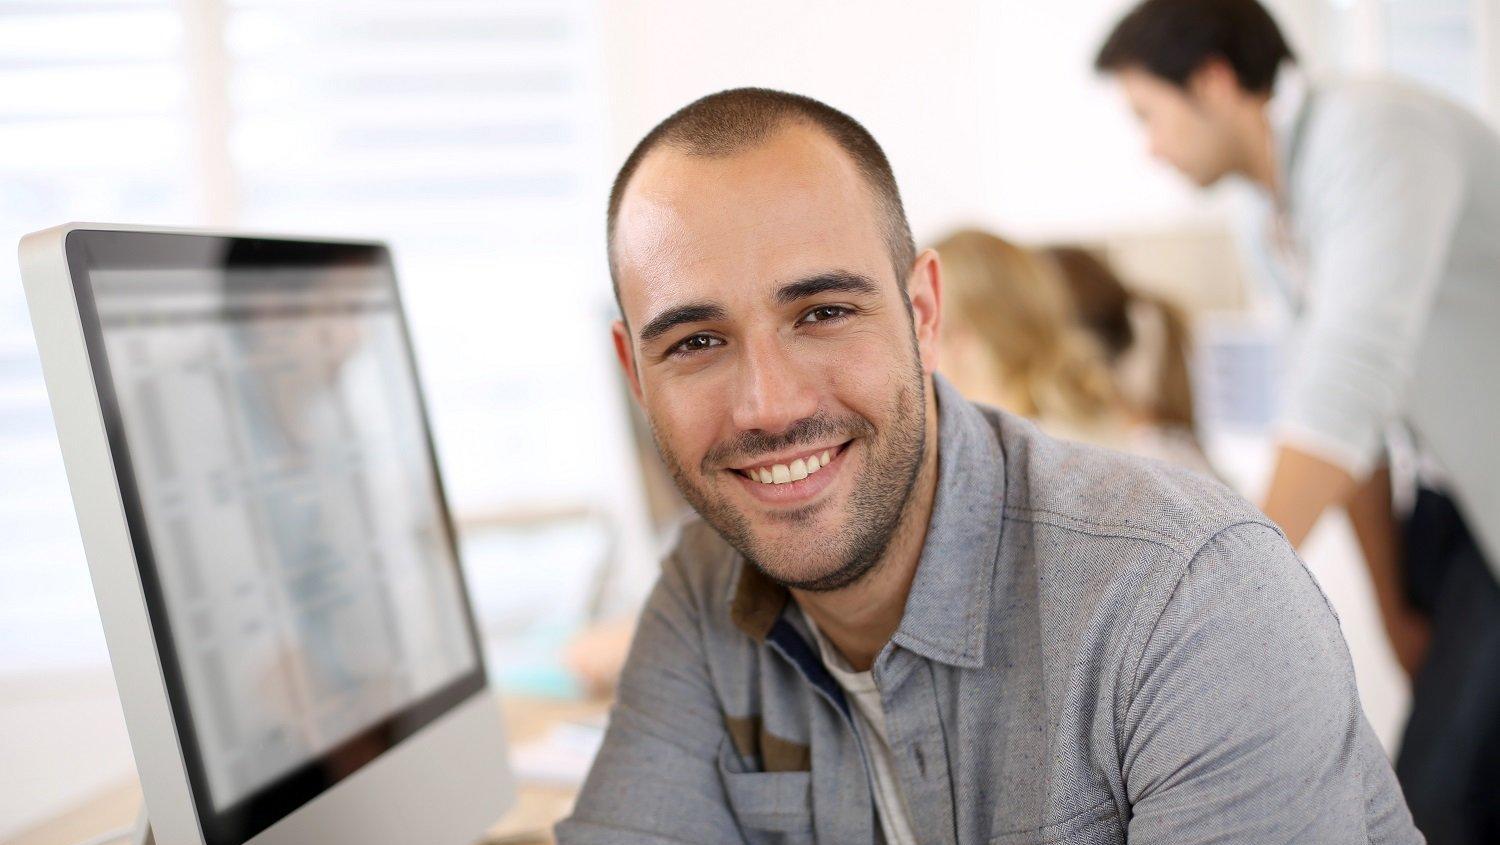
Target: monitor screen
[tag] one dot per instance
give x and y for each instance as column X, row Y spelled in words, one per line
column 273, row 453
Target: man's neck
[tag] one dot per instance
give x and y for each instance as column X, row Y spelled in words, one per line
column 861, row 618
column 1259, row 156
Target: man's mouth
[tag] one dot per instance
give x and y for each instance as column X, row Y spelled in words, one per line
column 786, row 470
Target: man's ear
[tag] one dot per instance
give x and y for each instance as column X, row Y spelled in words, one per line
column 924, row 289
column 625, row 352
column 1214, row 82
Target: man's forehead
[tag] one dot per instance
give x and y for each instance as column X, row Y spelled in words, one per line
column 689, row 225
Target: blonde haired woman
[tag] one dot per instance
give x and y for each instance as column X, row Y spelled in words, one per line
column 1013, row 338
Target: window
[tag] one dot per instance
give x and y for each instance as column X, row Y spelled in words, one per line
column 467, row 134
column 1436, row 42
column 94, row 125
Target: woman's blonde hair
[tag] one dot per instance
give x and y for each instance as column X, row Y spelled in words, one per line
column 1018, row 305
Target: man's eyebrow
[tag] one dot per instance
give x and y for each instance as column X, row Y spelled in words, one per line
column 696, row 312
column 834, row 282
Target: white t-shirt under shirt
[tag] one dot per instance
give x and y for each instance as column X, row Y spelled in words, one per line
column 869, row 720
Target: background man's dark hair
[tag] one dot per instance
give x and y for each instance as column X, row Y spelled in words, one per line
column 1173, row 38
column 732, row 121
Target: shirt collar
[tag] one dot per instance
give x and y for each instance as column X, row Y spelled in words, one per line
column 1286, row 111
column 948, row 608
column 957, row 568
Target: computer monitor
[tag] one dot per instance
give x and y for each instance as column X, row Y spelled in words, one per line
column 271, row 552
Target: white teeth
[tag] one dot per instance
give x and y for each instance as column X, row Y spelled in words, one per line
column 787, row 473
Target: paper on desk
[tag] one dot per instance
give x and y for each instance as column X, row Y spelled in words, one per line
column 560, row 758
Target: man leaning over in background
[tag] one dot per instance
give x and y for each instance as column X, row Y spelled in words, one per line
column 905, row 616
column 1381, row 228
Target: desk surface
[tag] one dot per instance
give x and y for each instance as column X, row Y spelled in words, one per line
column 537, row 807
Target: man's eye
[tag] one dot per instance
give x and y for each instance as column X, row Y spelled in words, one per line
column 825, row 313
column 696, row 343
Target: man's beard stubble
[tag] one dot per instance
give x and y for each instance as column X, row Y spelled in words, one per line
column 880, row 499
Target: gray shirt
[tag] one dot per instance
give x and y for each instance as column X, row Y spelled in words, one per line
column 1095, row 649
column 1388, row 250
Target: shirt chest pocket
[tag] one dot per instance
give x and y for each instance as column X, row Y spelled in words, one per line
column 772, row 808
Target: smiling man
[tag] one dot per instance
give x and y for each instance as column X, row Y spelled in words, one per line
column 906, row 618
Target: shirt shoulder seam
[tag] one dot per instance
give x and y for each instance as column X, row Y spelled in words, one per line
column 1138, row 645
column 1123, row 531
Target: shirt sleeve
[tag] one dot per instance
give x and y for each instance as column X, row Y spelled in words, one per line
column 1243, row 724
column 1381, row 192
column 656, row 778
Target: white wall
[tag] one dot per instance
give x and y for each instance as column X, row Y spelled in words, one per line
column 990, row 112
column 64, row 740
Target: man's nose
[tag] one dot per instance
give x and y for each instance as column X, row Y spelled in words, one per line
column 773, row 391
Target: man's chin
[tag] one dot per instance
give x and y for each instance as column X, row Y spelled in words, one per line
column 1208, row 179
column 809, row 580
column 797, row 572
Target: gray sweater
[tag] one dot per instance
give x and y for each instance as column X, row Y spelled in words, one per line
column 1095, row 649
column 1388, row 251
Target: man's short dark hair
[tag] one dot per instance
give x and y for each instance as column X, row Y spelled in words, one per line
column 1172, row 39
column 732, row 121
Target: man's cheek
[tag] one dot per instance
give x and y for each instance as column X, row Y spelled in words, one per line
column 869, row 359
column 677, row 432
